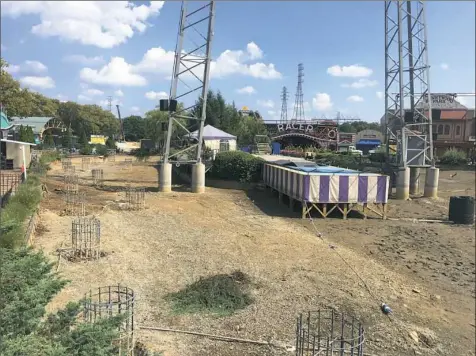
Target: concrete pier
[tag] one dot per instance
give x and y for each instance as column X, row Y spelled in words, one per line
column 403, row 184
column 431, row 182
column 198, row 178
column 414, row 180
column 165, row 178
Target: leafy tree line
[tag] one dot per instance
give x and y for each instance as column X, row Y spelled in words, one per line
column 220, row 114
column 357, row 126
column 83, row 119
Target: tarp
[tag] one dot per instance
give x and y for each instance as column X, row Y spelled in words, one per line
column 212, row 133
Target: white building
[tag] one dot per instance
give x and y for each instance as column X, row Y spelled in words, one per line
column 216, row 140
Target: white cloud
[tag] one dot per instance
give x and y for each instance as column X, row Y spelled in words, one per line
column 271, row 112
column 12, row 68
column 246, row 90
column 135, row 109
column 254, row 51
column 118, row 93
column 38, row 82
column 82, row 97
column 361, row 83
column 352, row 71
column 104, row 24
column 93, row 92
column 116, row 72
column 444, row 66
column 380, row 94
column 62, row 98
column 105, row 103
column 322, row 102
column 266, row 103
column 467, row 100
column 355, row 99
column 28, row 67
column 159, row 61
column 153, row 95
column 79, row 58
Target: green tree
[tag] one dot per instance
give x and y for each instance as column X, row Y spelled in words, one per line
column 30, row 136
column 110, row 143
column 134, row 128
column 67, row 138
column 48, row 140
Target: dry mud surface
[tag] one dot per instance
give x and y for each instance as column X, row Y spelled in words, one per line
column 424, row 271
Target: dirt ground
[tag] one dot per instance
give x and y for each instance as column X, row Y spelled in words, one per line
column 424, row 271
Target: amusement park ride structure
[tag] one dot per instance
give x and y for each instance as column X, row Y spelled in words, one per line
column 406, row 73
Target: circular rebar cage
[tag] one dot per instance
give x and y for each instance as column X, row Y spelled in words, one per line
column 75, row 203
column 98, row 176
column 71, row 182
column 327, row 332
column 66, row 162
column 85, row 163
column 111, row 301
column 135, row 198
column 86, row 237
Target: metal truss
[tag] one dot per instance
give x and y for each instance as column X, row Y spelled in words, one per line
column 407, row 113
column 191, row 73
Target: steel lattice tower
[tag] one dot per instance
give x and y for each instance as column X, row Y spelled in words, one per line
column 299, row 103
column 109, row 103
column 284, row 105
column 407, row 84
column 191, row 70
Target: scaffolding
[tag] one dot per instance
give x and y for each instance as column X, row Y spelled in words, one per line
column 135, row 198
column 75, row 203
column 98, row 177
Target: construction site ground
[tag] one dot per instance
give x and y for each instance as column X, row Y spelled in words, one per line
column 424, row 271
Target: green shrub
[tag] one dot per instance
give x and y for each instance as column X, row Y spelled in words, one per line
column 454, row 157
column 222, row 294
column 86, row 150
column 238, row 166
column 142, row 155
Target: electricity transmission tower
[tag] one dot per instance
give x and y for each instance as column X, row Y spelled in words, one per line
column 284, row 105
column 298, row 114
column 109, row 103
column 408, row 103
column 191, row 72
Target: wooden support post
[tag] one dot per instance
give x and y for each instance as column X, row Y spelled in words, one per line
column 324, row 210
column 303, row 210
column 364, row 209
column 345, row 210
column 384, row 208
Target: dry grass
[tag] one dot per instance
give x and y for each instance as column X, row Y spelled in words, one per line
column 182, row 237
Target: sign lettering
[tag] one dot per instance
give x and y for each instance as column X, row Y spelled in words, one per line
column 295, row 127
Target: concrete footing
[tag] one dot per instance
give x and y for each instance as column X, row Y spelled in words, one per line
column 414, row 180
column 403, row 184
column 165, row 178
column 198, row 178
column 431, row 182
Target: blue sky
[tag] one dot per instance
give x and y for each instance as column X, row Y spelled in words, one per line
column 85, row 51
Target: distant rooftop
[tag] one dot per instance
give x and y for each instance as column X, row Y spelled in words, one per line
column 37, row 123
column 5, row 124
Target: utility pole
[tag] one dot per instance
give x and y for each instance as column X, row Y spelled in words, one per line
column 298, row 114
column 109, row 103
column 284, row 105
column 192, row 64
column 408, row 115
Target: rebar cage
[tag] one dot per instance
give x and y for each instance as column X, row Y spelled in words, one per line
column 66, row 162
column 328, row 332
column 75, row 203
column 98, row 176
column 128, row 163
column 111, row 301
column 86, row 237
column 71, row 183
column 85, row 163
column 135, row 198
